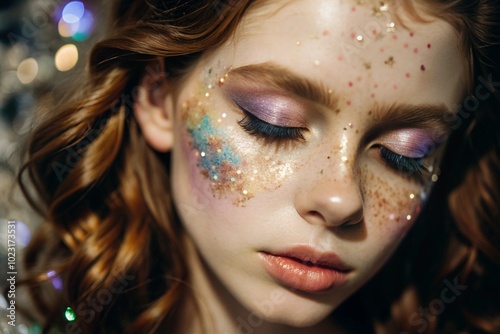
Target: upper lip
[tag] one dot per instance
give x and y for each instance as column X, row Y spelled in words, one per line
column 311, row 256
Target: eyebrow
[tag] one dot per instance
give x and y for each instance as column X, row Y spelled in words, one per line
column 281, row 79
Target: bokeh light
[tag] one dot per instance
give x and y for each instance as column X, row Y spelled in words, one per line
column 75, row 21
column 27, row 70
column 69, row 314
column 66, row 57
column 55, row 279
column 73, row 11
column 23, row 234
column 85, row 27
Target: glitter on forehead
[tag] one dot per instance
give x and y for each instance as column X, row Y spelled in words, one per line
column 390, row 61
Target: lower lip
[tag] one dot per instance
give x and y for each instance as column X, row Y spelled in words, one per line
column 299, row 276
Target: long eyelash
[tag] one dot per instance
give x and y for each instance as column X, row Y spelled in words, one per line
column 400, row 163
column 259, row 128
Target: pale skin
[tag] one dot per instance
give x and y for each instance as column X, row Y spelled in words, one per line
column 337, row 193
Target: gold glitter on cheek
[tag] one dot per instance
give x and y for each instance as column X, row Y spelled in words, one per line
column 235, row 170
column 390, row 208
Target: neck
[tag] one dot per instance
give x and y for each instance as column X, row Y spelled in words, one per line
column 220, row 312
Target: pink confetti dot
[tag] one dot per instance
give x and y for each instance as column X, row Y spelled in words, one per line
column 372, row 95
column 407, row 75
column 350, row 83
column 376, row 85
column 411, row 34
column 405, row 45
column 428, row 46
column 415, row 50
column 348, row 102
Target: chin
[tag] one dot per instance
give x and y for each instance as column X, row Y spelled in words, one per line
column 293, row 315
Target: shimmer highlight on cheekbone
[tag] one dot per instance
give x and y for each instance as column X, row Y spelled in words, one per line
column 233, row 172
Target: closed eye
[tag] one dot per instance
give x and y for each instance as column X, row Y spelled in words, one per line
column 404, row 165
column 259, row 128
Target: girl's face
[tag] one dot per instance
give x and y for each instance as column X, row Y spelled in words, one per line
column 305, row 148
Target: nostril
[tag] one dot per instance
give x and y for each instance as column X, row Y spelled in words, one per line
column 316, row 214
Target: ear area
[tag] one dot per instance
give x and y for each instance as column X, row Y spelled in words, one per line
column 153, row 107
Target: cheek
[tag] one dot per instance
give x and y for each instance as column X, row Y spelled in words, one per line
column 221, row 157
column 391, row 204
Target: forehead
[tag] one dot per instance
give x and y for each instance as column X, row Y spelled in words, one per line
column 365, row 47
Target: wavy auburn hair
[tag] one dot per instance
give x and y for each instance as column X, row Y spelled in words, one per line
column 108, row 213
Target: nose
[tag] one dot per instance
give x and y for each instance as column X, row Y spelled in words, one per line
column 330, row 202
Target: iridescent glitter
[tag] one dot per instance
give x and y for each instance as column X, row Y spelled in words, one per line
column 231, row 171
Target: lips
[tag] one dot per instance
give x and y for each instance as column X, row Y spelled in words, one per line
column 305, row 269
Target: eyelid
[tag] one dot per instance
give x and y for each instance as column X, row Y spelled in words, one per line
column 274, row 108
column 411, row 143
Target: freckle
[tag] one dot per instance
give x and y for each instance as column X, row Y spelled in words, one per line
column 394, row 37
column 415, row 50
column 357, row 131
column 407, row 75
column 372, row 95
column 345, row 128
column 395, row 87
column 340, row 58
column 353, row 9
column 369, row 112
column 375, row 86
column 350, row 83
column 348, row 102
column 337, row 111
column 428, row 46
column 325, row 32
column 374, row 31
column 359, row 78
column 405, row 45
column 422, row 67
column 328, row 157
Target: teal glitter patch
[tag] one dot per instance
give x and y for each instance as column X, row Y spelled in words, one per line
column 215, row 155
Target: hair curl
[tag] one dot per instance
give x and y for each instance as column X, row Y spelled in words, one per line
column 101, row 187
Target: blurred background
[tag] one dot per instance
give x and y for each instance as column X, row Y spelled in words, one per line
column 43, row 43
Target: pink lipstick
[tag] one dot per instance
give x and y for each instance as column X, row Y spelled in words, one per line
column 305, row 269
